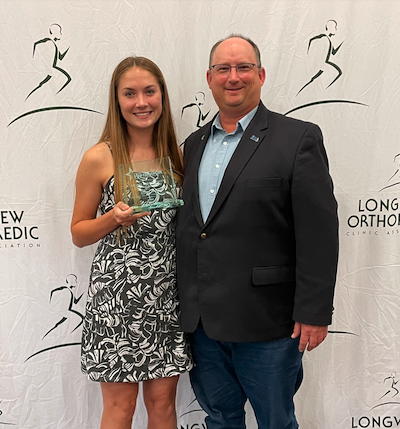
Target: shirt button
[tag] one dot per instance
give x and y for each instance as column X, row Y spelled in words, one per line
column 217, row 166
column 203, row 235
column 212, row 191
column 225, row 143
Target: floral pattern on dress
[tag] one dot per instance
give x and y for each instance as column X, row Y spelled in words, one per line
column 131, row 327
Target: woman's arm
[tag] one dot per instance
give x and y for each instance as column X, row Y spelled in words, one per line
column 94, row 171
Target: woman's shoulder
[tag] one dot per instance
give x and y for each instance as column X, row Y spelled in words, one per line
column 99, row 154
column 97, row 164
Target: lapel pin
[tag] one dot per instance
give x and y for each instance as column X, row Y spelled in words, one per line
column 254, row 138
column 202, row 137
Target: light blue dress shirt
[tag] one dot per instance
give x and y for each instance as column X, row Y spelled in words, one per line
column 216, row 156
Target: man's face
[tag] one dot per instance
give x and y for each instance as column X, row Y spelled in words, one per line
column 236, row 95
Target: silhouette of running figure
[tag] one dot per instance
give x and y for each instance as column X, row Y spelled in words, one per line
column 395, row 177
column 55, row 33
column 392, row 387
column 71, row 281
column 331, row 28
column 200, row 99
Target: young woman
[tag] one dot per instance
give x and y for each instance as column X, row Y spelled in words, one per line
column 131, row 332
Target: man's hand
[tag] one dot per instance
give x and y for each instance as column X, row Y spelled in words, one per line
column 309, row 334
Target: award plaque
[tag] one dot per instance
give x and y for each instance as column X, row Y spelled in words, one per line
column 149, row 185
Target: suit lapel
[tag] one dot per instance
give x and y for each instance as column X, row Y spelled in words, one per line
column 252, row 137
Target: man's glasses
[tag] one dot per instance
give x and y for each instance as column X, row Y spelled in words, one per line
column 241, row 69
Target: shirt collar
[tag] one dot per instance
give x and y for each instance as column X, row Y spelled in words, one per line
column 240, row 127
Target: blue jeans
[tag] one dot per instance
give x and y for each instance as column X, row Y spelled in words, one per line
column 227, row 374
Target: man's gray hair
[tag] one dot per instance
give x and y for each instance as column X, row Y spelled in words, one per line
column 255, row 47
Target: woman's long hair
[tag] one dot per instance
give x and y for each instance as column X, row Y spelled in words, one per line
column 116, row 133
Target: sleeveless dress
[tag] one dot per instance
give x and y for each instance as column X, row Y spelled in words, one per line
column 131, row 327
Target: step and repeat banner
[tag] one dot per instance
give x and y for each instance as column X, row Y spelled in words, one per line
column 335, row 63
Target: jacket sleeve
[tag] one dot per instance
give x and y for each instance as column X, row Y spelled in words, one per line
column 316, row 231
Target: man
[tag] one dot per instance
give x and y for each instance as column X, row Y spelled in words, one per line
column 256, row 247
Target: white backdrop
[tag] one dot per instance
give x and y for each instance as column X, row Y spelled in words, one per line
column 352, row 379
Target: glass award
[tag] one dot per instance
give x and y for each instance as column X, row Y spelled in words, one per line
column 149, row 185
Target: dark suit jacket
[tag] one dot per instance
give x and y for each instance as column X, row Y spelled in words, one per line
column 267, row 254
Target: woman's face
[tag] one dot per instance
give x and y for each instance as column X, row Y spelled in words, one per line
column 140, row 99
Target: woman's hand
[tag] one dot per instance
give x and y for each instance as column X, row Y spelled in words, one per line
column 124, row 214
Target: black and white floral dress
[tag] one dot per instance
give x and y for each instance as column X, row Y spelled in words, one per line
column 131, row 330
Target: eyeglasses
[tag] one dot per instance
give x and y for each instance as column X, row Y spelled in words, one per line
column 241, row 69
